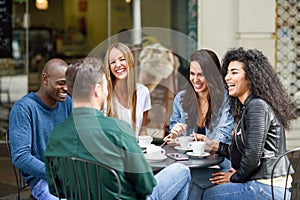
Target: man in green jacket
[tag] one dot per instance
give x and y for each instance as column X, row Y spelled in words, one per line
column 90, row 135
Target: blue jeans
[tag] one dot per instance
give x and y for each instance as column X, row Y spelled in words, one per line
column 200, row 179
column 251, row 190
column 41, row 191
column 172, row 183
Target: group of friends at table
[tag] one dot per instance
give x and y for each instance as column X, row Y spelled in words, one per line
column 95, row 110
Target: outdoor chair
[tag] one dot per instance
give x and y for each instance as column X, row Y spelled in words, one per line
column 76, row 178
column 294, row 164
column 20, row 183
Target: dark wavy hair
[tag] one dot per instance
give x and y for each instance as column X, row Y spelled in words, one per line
column 210, row 66
column 263, row 81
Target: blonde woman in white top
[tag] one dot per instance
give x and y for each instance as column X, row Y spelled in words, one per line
column 126, row 99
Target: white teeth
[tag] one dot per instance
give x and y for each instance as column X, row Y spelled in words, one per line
column 197, row 85
column 120, row 70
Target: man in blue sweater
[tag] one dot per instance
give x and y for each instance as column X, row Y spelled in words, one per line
column 31, row 120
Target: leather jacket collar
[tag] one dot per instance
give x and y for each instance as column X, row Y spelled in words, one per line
column 259, row 139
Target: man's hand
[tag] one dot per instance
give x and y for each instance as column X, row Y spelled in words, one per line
column 222, row 177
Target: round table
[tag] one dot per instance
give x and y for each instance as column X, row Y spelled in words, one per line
column 192, row 162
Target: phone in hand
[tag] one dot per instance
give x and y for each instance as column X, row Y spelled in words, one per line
column 178, row 156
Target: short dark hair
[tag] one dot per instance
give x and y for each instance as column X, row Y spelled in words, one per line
column 82, row 75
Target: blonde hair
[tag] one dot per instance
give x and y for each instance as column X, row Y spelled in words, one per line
column 131, row 81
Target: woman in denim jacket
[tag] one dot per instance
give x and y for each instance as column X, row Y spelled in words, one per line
column 220, row 130
column 203, row 107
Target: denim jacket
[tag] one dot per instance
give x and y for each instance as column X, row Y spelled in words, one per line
column 219, row 131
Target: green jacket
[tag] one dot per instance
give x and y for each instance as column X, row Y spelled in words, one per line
column 90, row 135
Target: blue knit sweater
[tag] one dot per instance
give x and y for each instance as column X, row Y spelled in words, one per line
column 30, row 122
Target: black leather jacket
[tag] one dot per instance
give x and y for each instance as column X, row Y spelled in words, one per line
column 258, row 141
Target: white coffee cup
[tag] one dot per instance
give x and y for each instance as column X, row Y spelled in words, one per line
column 183, row 141
column 155, row 151
column 198, row 147
column 145, row 140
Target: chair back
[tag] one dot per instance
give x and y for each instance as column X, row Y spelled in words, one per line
column 293, row 166
column 20, row 183
column 76, row 178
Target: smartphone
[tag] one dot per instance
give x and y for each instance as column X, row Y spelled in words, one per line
column 178, row 156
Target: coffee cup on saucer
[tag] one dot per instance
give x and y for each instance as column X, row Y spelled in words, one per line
column 145, row 140
column 198, row 147
column 155, row 151
column 183, row 141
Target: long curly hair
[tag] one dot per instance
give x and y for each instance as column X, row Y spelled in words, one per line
column 210, row 66
column 263, row 83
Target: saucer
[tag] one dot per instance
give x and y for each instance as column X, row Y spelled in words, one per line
column 179, row 148
column 202, row 155
column 155, row 159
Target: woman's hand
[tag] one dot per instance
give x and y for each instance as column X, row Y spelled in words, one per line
column 222, row 177
column 211, row 145
column 200, row 137
column 178, row 129
column 169, row 139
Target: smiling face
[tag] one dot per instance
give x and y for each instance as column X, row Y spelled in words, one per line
column 118, row 64
column 197, row 78
column 56, row 83
column 236, row 81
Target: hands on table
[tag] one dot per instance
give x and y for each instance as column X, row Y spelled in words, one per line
column 180, row 128
column 211, row 145
column 177, row 130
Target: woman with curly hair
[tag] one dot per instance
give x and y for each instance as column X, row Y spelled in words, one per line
column 262, row 111
column 127, row 100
